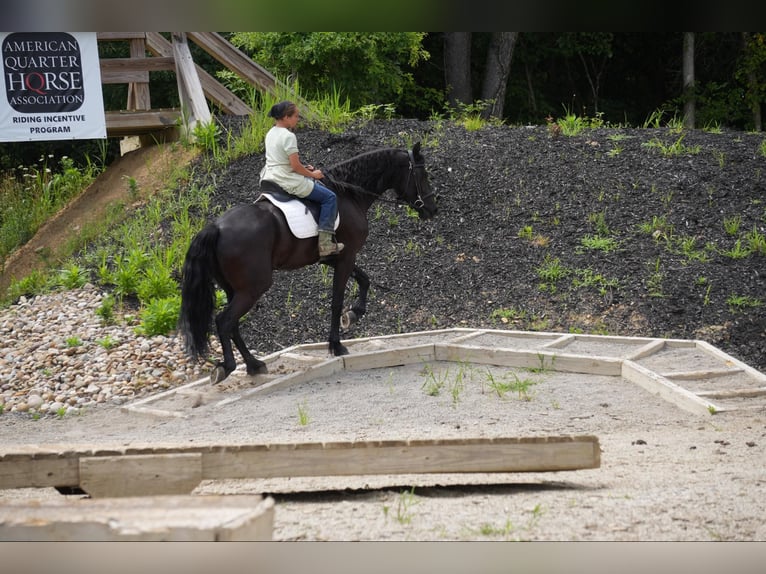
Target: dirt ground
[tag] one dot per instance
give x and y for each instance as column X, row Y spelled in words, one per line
column 666, row 474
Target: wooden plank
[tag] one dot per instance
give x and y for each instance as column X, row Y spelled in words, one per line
column 324, row 369
column 213, row 89
column 701, row 374
column 117, row 36
column 140, row 475
column 537, row 454
column 733, row 394
column 389, row 357
column 192, row 96
column 28, row 470
column 119, row 123
column 234, row 59
column 109, row 470
column 650, row 348
column 562, row 341
column 529, row 359
column 159, row 518
column 729, row 360
column 244, row 66
column 135, row 64
column 659, row 385
column 139, row 97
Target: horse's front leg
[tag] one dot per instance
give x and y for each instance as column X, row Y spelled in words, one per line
column 340, row 277
column 359, row 308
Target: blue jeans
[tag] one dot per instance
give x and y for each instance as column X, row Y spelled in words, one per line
column 328, row 206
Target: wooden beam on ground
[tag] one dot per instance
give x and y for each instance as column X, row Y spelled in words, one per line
column 149, row 475
column 158, row 518
column 132, row 468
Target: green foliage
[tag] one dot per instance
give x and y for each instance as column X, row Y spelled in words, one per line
column 511, row 382
column 303, row 414
column 658, row 227
column 107, row 342
column 367, row 66
column 588, row 278
column 756, row 241
column 106, row 310
column 160, row 316
column 29, row 196
column 599, row 243
column 155, row 283
column 72, row 276
column 731, row 224
column 551, row 271
column 656, row 277
column 675, row 148
column 206, row 136
column 738, row 303
column 35, row 282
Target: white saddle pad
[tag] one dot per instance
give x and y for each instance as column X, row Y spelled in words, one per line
column 299, row 218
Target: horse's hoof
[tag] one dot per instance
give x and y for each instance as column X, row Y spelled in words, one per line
column 217, row 375
column 258, row 369
column 339, row 350
column 347, row 319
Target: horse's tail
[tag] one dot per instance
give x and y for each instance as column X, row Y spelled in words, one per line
column 198, row 292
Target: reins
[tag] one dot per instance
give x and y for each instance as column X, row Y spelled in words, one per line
column 417, row 204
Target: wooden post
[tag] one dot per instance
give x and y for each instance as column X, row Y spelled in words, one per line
column 193, row 104
column 138, row 92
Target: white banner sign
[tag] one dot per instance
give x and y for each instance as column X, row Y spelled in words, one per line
column 51, row 87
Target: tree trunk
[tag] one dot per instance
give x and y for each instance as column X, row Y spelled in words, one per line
column 688, row 86
column 496, row 72
column 457, row 67
column 752, row 81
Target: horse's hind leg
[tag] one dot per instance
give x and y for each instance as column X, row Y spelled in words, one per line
column 359, row 308
column 227, row 324
column 254, row 366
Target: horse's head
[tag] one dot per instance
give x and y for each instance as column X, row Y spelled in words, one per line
column 417, row 192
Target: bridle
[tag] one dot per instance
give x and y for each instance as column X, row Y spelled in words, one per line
column 418, row 203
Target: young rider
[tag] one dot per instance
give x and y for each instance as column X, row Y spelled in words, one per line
column 284, row 167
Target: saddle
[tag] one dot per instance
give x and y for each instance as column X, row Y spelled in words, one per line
column 302, row 214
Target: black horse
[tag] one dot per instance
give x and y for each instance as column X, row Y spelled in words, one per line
column 241, row 249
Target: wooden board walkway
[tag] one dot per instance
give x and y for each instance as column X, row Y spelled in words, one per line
column 691, row 374
column 212, row 518
column 162, row 470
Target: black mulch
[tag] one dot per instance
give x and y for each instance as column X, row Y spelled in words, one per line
column 516, row 200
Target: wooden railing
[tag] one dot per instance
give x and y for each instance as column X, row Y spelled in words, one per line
column 195, row 85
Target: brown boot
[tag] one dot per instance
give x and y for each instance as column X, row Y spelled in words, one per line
column 327, row 244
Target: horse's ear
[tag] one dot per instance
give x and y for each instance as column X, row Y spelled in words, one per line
column 416, row 149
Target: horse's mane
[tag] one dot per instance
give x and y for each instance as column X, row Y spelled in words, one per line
column 362, row 173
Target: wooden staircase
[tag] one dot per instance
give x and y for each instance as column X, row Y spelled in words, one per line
column 152, row 52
